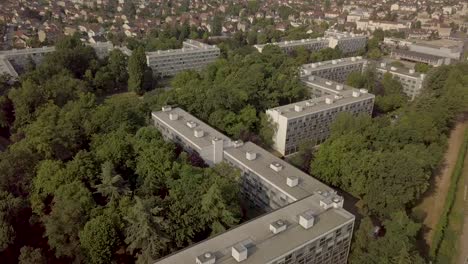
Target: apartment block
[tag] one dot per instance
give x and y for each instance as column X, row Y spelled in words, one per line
column 289, row 46
column 310, row 120
column 314, row 230
column 347, row 42
column 411, row 81
column 335, row 70
column 193, row 56
column 305, row 220
column 19, row 58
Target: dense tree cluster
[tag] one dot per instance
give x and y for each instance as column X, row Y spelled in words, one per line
column 84, row 180
column 387, row 161
column 232, row 94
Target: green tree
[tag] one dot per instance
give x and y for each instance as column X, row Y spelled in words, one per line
column 10, row 207
column 99, row 239
column 72, row 205
column 422, row 67
column 144, row 231
column 136, row 70
column 29, row 255
column 112, row 186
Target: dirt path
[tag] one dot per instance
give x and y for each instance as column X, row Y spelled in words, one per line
column 432, row 205
column 463, row 246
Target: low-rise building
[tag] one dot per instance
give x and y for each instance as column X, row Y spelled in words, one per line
column 310, row 120
column 411, row 81
column 335, row 70
column 414, row 56
column 193, row 56
column 290, row 45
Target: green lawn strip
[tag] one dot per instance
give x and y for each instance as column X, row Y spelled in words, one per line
column 444, row 242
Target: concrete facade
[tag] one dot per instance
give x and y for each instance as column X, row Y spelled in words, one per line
column 348, row 43
column 193, row 56
column 334, row 70
column 411, row 81
column 305, row 223
column 310, row 120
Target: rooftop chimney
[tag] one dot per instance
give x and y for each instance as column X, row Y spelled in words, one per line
column 292, row 181
column 339, row 87
column 328, row 83
column 166, row 108
column 356, row 93
column 383, row 64
column 250, row 155
column 393, row 68
column 334, row 62
column 276, row 166
column 238, row 143
column 206, row 258
column 307, row 219
column 363, row 91
column 411, row 71
column 297, row 108
column 198, row 133
column 173, row 116
column 239, row 252
column 191, row 124
column 218, row 149
column 328, row 100
column 277, row 226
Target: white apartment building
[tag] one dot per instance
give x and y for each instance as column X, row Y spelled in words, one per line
column 348, row 43
column 310, row 120
column 411, row 81
column 369, row 25
column 289, row 46
column 335, row 70
column 193, row 56
column 305, row 223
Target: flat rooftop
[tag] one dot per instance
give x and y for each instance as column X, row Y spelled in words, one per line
column 261, row 244
column 332, row 63
column 399, row 70
column 343, row 95
column 26, row 51
column 6, row 67
column 188, row 47
column 421, row 55
column 261, row 167
column 289, row 43
column 439, row 43
column 180, row 125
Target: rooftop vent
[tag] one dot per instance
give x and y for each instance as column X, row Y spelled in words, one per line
column 338, row 96
column 356, row 93
column 276, row 166
column 328, row 83
column 383, row 64
column 334, row 62
column 393, row 68
column 292, row 181
column 298, row 108
column 411, row 71
column 330, row 199
column 239, row 252
column 359, row 57
column 173, row 116
column 198, row 133
column 339, row 87
column 206, row 258
column 363, row 91
column 302, row 40
column 328, row 100
column 277, row 226
column 166, row 108
column 310, row 103
column 307, row 219
column 353, row 59
column 238, row 143
column 191, row 124
column 314, row 65
column 250, row 155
